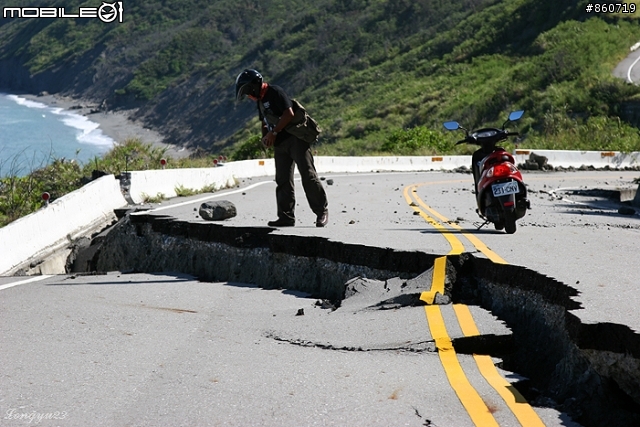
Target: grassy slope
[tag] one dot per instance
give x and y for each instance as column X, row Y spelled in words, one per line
column 561, row 77
column 553, row 60
column 366, row 69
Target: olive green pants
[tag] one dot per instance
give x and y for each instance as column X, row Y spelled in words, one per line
column 289, row 153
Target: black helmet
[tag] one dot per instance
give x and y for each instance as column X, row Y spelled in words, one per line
column 248, row 82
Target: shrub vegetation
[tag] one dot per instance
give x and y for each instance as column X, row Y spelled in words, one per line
column 22, row 195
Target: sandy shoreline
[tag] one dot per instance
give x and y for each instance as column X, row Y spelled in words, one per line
column 114, row 124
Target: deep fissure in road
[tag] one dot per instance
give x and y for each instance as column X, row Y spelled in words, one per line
column 589, row 371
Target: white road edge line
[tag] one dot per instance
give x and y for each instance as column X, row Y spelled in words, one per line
column 629, row 70
column 24, row 282
column 211, row 196
column 202, row 199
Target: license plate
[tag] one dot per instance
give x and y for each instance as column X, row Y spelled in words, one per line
column 505, row 188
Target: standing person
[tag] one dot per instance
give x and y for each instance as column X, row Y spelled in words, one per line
column 281, row 117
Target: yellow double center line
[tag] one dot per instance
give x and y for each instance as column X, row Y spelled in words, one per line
column 469, row 397
column 410, row 193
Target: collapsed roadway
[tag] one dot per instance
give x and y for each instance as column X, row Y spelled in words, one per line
column 589, row 371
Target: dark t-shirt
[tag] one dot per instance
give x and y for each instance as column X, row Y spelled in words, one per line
column 275, row 102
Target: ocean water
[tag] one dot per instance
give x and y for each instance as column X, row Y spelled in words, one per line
column 33, row 134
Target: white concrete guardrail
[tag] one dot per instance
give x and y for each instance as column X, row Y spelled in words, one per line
column 576, row 159
column 156, row 182
column 52, row 228
column 87, row 210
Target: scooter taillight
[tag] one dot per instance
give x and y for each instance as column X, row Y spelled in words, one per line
column 500, row 171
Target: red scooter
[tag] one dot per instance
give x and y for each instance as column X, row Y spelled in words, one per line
column 500, row 191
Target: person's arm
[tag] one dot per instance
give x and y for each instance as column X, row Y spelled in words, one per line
column 286, row 117
column 270, row 137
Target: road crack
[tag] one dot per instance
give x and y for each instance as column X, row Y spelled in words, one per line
column 427, row 346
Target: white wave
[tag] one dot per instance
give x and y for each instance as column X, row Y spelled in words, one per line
column 27, row 103
column 89, row 132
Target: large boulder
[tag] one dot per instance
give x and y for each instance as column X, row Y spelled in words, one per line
column 217, row 211
column 535, row 162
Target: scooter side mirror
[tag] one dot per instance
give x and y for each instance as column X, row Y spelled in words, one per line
column 451, row 125
column 516, row 115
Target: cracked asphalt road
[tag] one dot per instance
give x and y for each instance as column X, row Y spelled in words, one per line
column 140, row 349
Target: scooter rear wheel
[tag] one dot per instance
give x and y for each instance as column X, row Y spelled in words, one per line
column 510, row 222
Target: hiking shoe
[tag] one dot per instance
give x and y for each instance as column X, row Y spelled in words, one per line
column 282, row 222
column 322, row 219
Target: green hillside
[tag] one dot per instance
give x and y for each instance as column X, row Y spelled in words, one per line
column 380, row 76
